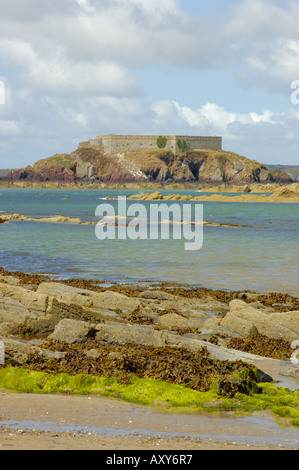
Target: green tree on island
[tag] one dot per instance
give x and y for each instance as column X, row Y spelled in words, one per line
column 182, row 144
column 161, row 142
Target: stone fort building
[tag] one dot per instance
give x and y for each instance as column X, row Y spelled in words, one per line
column 113, row 144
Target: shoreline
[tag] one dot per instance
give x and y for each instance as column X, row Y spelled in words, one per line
column 58, row 422
column 98, row 422
column 132, row 288
column 255, row 193
column 218, row 188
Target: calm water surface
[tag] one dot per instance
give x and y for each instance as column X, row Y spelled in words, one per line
column 263, row 258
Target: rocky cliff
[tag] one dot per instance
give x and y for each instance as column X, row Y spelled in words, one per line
column 91, row 165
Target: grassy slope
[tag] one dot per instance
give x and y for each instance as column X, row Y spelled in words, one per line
column 145, row 160
column 205, row 165
column 57, row 161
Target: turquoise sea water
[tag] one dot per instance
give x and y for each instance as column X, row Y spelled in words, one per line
column 261, row 259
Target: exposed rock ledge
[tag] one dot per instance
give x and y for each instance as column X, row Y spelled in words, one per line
column 117, row 220
column 31, row 316
column 54, row 219
column 278, row 196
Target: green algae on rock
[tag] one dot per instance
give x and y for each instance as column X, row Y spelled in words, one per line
column 151, row 392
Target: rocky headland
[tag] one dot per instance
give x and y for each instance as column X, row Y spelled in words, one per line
column 181, row 335
column 89, row 165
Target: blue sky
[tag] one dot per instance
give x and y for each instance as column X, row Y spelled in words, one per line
column 73, row 69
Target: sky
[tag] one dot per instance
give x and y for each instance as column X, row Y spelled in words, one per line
column 73, row 69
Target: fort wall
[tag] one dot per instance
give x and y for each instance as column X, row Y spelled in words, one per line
column 113, row 144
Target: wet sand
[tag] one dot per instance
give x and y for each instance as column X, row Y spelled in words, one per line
column 58, row 422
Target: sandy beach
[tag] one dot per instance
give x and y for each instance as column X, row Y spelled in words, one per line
column 38, row 422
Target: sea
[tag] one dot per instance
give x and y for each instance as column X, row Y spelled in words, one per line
column 258, row 252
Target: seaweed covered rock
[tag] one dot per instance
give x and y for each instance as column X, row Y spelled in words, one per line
column 159, row 332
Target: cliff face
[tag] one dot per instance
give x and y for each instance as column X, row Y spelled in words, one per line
column 91, row 165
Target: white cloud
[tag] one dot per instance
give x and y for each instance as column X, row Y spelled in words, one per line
column 127, row 31
column 86, row 6
column 156, row 9
column 33, row 10
column 73, row 69
column 210, row 117
column 9, row 128
column 260, row 19
column 258, row 36
column 7, row 100
column 60, row 74
column 264, row 38
column 255, row 135
column 101, row 78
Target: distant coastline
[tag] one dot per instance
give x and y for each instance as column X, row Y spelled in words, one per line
column 196, row 186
